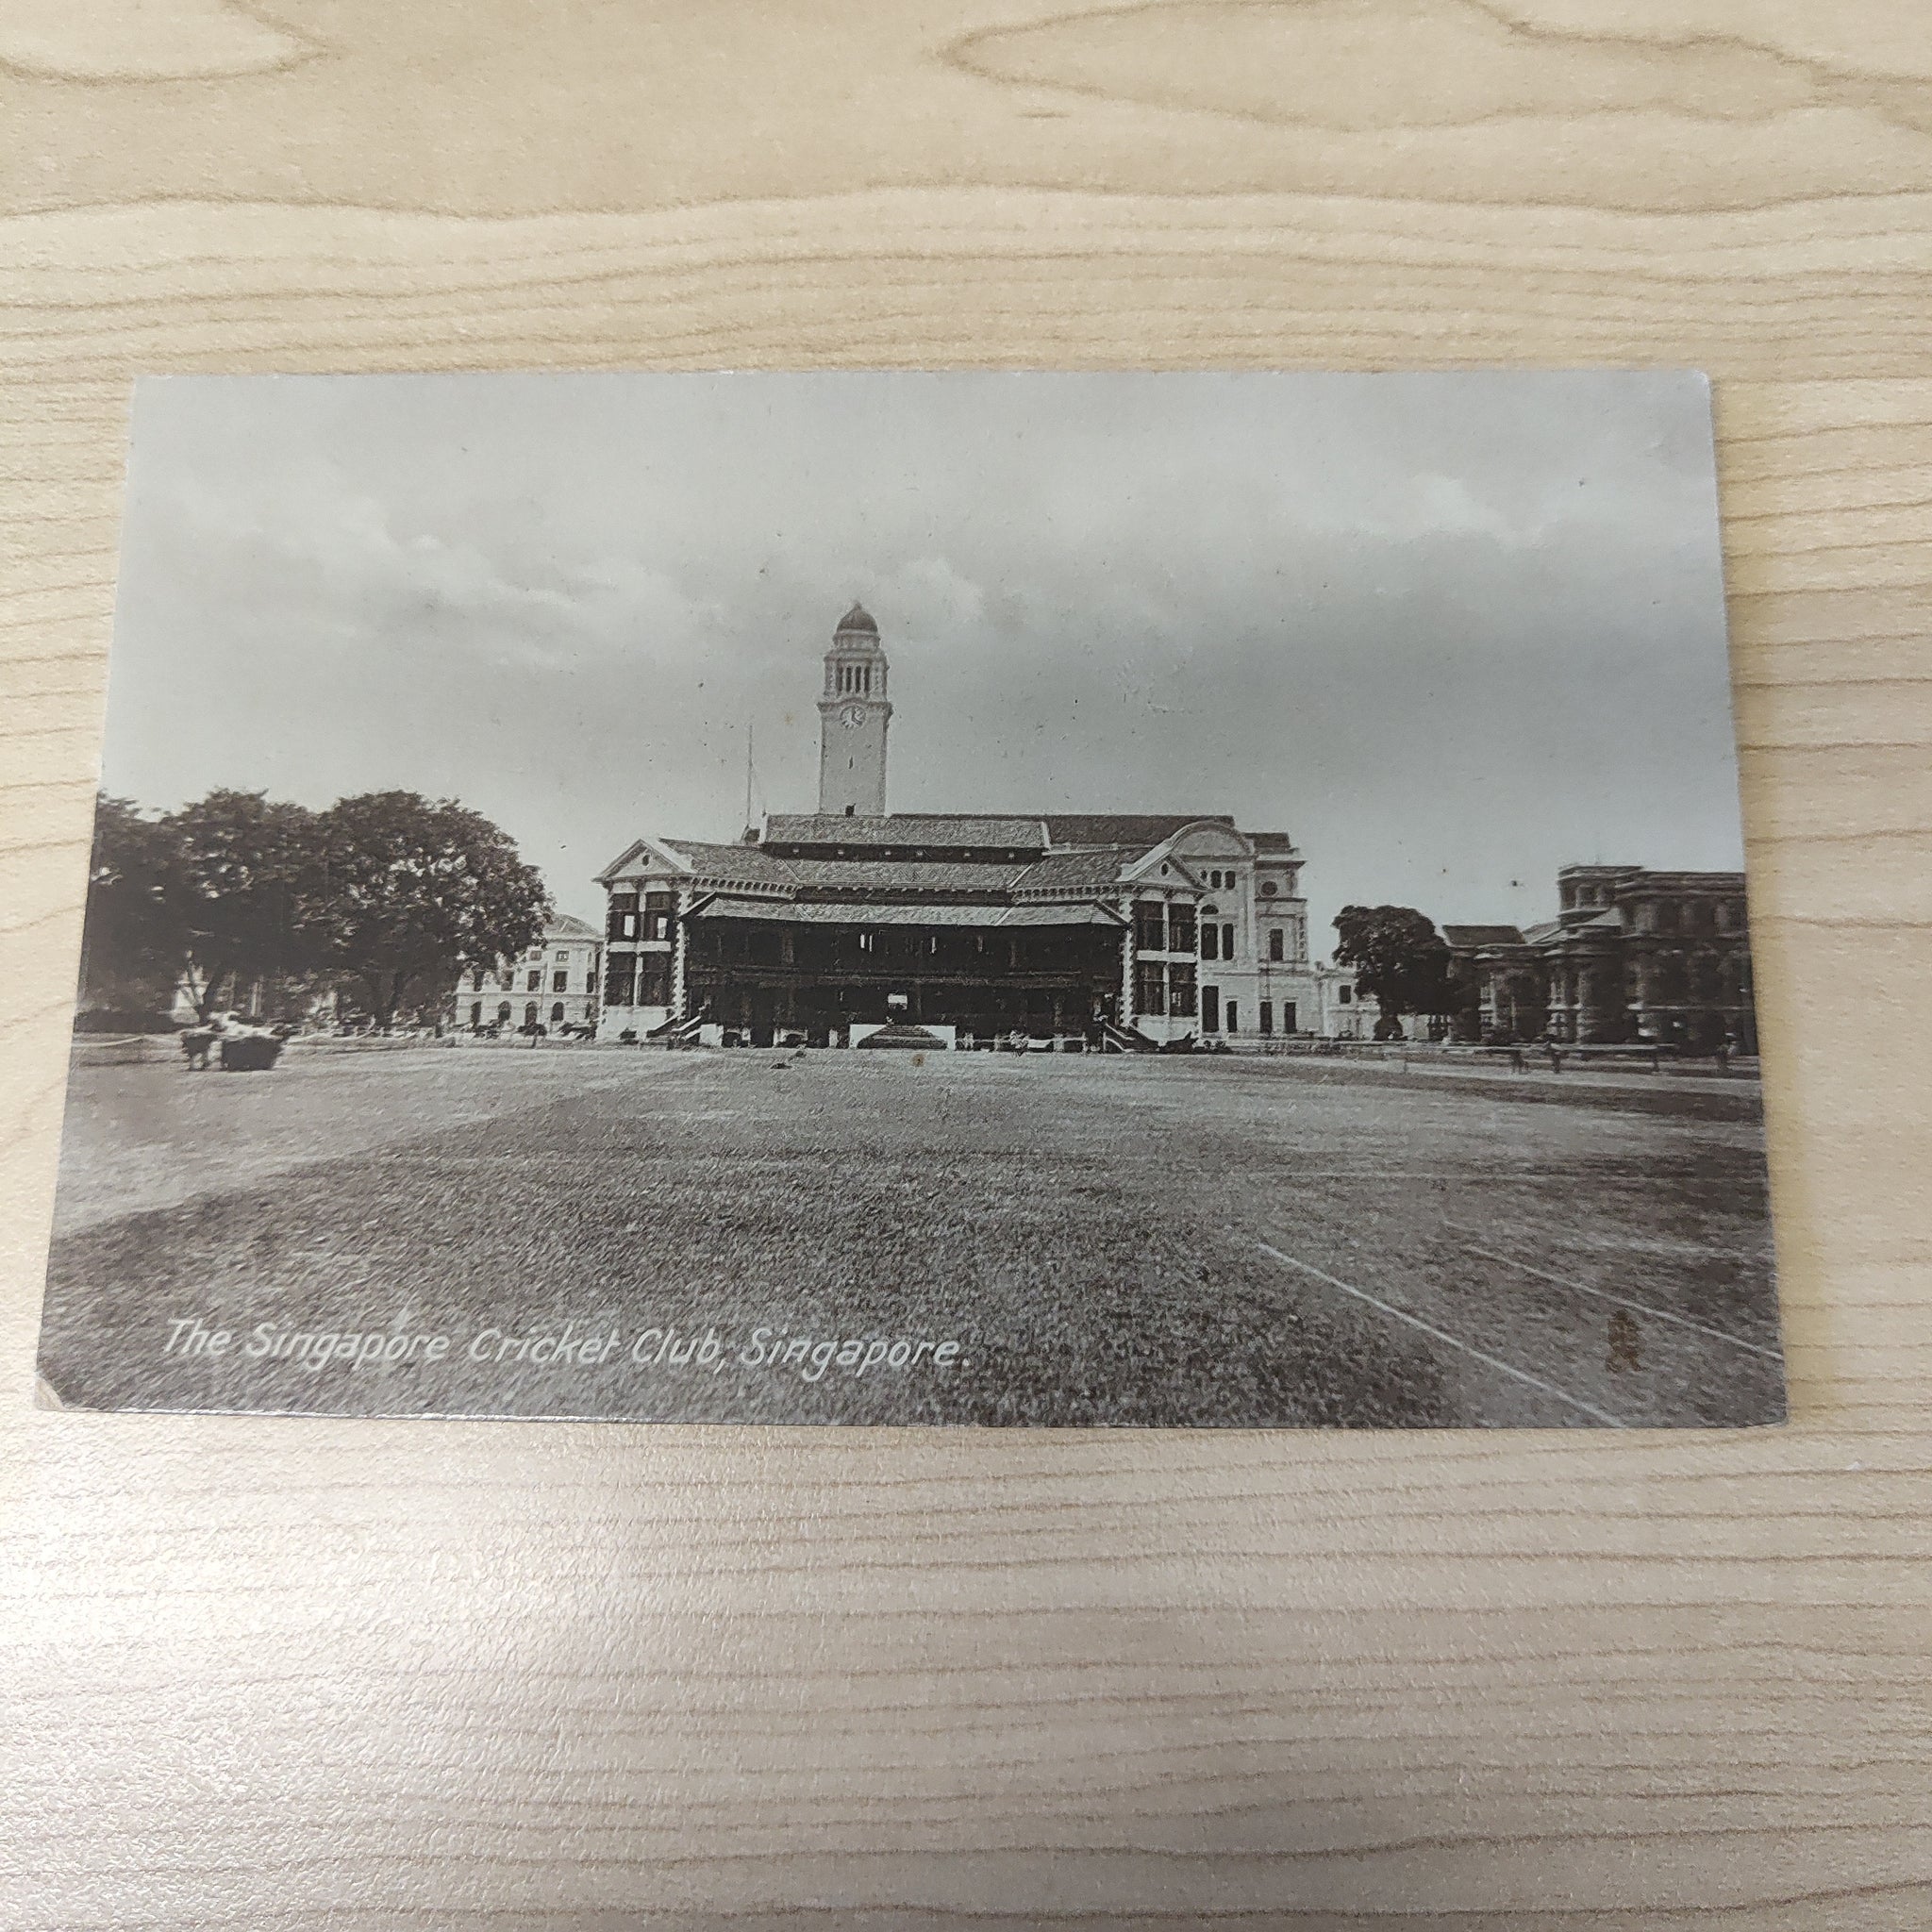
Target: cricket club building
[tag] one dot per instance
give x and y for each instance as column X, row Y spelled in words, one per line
column 1123, row 930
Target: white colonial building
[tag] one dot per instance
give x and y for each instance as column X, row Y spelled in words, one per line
column 555, row 984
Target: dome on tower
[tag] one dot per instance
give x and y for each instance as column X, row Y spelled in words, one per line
column 860, row 620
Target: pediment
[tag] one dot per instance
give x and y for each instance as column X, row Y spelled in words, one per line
column 1207, row 841
column 1163, row 866
column 642, row 858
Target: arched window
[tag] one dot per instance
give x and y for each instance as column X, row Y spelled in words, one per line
column 530, row 1014
column 557, row 1014
column 502, row 1014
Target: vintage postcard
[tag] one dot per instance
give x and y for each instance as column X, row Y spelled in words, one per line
column 987, row 899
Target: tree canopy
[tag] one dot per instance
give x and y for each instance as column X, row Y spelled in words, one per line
column 1401, row 962
column 389, row 890
column 133, row 946
column 412, row 890
column 238, row 869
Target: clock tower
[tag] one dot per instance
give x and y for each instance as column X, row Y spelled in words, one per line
column 853, row 716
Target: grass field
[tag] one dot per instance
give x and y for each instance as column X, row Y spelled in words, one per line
column 1120, row 1240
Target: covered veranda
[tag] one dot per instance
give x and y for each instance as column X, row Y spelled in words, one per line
column 766, row 969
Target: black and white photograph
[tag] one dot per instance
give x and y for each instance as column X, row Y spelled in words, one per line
column 1208, row 900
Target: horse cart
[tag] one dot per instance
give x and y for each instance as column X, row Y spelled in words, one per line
column 242, row 1049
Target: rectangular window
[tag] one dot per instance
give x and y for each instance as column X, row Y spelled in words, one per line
column 1210, row 942
column 559, row 982
column 1227, row 947
column 1267, row 1016
column 535, row 979
column 1227, row 1019
column 1150, row 987
column 1180, row 991
column 1275, row 945
column 1150, row 926
column 1211, row 1009
column 1345, row 994
column 1180, row 929
column 618, row 975
column 1288, row 1016
column 654, row 979
column 563, row 955
column 865, row 942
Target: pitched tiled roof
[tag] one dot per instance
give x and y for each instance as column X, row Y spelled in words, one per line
column 902, row 875
column 1138, row 829
column 1096, row 871
column 958, row 830
column 752, row 865
column 1083, row 913
column 744, row 864
column 819, row 912
column 1472, row 936
column 1092, row 850
column 566, row 926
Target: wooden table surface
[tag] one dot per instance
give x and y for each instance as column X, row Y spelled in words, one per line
column 267, row 1674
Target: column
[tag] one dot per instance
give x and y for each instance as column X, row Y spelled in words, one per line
column 677, row 953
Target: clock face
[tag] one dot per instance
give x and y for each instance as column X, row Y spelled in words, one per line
column 852, row 717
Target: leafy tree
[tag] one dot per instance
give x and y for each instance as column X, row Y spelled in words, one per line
column 239, row 873
column 1400, row 960
column 133, row 945
column 408, row 890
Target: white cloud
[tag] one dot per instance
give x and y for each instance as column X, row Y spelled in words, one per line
column 1448, row 630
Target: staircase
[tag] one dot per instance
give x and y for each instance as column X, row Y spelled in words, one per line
column 1114, row 1037
column 678, row 1032
column 901, row 1034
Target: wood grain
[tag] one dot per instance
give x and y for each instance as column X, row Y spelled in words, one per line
column 372, row 1675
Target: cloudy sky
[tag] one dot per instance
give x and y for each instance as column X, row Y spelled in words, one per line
column 1450, row 631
